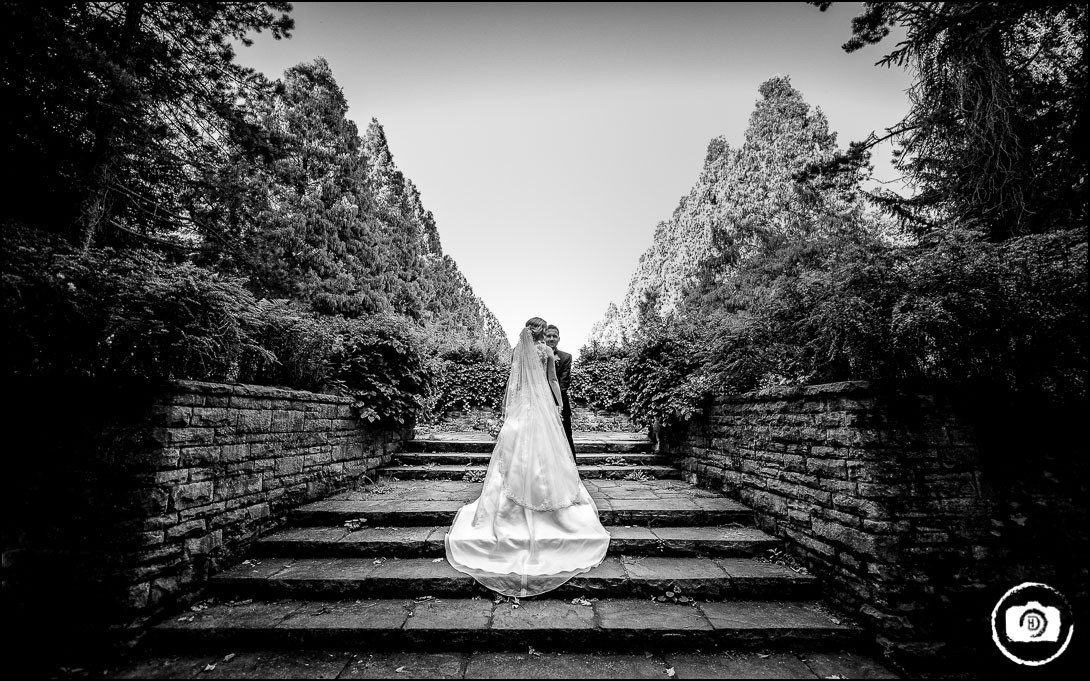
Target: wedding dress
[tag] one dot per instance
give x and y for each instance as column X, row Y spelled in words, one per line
column 534, row 526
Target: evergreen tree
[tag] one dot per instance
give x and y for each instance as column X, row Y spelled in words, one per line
column 745, row 200
column 996, row 136
column 114, row 111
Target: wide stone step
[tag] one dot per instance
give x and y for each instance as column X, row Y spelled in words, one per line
column 482, row 458
column 400, row 503
column 616, row 577
column 429, row 623
column 427, row 541
column 458, row 471
column 678, row 512
column 482, row 442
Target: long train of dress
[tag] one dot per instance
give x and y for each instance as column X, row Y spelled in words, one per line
column 534, row 526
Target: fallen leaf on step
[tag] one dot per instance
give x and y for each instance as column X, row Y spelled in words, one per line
column 210, row 667
column 669, row 671
column 399, row 670
column 438, row 560
column 228, row 657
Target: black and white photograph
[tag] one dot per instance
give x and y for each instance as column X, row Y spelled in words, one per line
column 574, row 340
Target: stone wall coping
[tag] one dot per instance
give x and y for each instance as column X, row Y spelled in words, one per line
column 249, row 390
column 794, row 392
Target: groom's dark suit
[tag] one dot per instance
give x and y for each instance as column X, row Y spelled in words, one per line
column 563, row 375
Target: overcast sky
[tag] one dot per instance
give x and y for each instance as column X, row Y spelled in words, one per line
column 549, row 140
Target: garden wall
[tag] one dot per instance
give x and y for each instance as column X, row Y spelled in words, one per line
column 917, row 510
column 125, row 499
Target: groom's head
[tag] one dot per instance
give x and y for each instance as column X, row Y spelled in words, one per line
column 552, row 336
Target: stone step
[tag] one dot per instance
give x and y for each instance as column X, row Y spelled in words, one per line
column 441, row 624
column 427, row 541
column 458, row 471
column 616, row 577
column 264, row 662
column 483, row 442
column 482, row 458
column 401, row 503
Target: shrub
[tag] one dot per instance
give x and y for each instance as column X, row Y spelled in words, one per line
column 109, row 314
column 300, row 344
column 665, row 381
column 597, row 380
column 1008, row 316
column 379, row 362
column 468, row 381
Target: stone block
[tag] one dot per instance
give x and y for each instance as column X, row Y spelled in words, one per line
column 811, row 543
column 319, row 458
column 199, row 456
column 172, row 477
column 827, row 468
column 316, row 425
column 253, row 421
column 211, row 416
column 198, row 546
column 192, row 494
column 137, row 596
column 186, row 530
column 189, row 436
column 236, row 452
column 865, row 508
column 172, row 415
column 202, row 511
column 236, row 486
column 289, row 465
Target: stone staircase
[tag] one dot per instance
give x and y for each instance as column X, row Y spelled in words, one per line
column 364, row 570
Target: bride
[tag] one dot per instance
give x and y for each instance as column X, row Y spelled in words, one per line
column 534, row 526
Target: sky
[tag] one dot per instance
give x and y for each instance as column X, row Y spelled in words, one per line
column 549, row 140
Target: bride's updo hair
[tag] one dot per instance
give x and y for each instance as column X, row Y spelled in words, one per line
column 538, row 325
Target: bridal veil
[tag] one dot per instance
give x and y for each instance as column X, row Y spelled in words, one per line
column 534, row 526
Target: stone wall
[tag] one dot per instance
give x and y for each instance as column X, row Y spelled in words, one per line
column 918, row 510
column 125, row 499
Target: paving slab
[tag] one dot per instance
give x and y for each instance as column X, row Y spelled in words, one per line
column 845, row 665
column 258, row 615
column 461, row 614
column 775, row 622
column 775, row 665
column 627, row 615
column 758, row 579
column 615, row 576
column 294, row 664
column 738, row 541
column 654, row 576
column 183, row 666
column 541, row 665
column 406, row 666
column 536, row 615
column 349, row 616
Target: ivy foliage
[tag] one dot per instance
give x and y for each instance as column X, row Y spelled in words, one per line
column 597, row 379
column 665, row 382
column 466, row 381
column 109, row 314
column 379, row 362
column 106, row 315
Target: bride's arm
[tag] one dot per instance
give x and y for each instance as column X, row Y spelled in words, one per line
column 550, row 368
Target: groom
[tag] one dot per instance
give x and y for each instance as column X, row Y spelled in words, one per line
column 563, row 375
